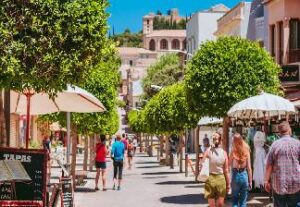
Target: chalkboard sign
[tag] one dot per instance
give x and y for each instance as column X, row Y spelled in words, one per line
column 35, row 164
column 67, row 199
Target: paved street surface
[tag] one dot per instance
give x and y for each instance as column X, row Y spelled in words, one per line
column 148, row 185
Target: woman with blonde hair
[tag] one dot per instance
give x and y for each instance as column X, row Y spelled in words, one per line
column 240, row 161
column 218, row 182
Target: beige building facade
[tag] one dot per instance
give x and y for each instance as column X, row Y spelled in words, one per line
column 163, row 40
column 283, row 22
column 235, row 21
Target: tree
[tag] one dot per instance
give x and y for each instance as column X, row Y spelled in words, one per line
column 168, row 111
column 47, row 44
column 166, row 71
column 128, row 39
column 226, row 71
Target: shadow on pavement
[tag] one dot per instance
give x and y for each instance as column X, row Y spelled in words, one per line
column 177, row 182
column 156, row 177
column 148, row 162
column 161, row 173
column 84, row 190
column 152, row 166
column 194, row 186
column 185, row 199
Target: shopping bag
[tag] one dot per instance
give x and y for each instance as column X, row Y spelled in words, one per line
column 204, row 171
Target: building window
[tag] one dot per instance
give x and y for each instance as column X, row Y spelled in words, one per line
column 184, row 45
column 175, row 44
column 294, row 51
column 273, row 40
column 147, row 21
column 130, row 62
column 152, row 45
column 163, row 44
column 294, row 34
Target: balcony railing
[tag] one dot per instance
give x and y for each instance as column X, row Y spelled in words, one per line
column 294, row 55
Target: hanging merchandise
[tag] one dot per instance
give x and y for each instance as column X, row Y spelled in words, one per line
column 259, row 160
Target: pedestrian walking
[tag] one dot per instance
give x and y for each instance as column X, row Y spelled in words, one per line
column 218, row 182
column 117, row 154
column 135, row 144
column 130, row 152
column 283, row 169
column 240, row 162
column 100, row 162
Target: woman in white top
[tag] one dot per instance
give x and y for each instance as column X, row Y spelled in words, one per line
column 218, row 182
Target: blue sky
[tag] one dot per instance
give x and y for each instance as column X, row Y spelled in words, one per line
column 129, row 13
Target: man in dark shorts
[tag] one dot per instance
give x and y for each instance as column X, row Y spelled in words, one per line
column 100, row 161
column 117, row 154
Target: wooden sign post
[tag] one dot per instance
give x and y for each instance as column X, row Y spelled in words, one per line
column 67, row 192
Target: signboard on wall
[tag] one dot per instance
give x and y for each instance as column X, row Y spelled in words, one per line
column 290, row 73
column 16, row 190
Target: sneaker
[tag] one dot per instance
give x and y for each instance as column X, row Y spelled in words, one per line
column 119, row 188
column 114, row 187
column 104, row 189
column 96, row 188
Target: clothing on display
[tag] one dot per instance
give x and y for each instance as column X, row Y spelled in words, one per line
column 259, row 159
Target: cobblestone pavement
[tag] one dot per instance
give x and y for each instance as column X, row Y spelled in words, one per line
column 147, row 184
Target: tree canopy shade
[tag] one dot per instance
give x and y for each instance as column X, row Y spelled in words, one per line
column 226, row 71
column 135, row 121
column 46, row 44
column 102, row 82
column 168, row 111
column 166, row 71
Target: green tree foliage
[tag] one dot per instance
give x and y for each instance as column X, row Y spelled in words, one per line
column 226, row 71
column 46, row 44
column 129, row 39
column 168, row 111
column 166, row 71
column 160, row 23
column 102, row 82
column 135, row 121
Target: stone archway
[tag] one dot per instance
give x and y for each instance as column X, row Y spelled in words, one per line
column 163, row 44
column 152, row 46
column 175, row 44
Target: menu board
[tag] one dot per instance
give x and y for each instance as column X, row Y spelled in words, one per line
column 34, row 165
column 66, row 192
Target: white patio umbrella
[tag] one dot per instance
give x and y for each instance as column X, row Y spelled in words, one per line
column 209, row 121
column 74, row 99
column 261, row 106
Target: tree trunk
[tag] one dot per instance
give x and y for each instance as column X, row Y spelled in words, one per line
column 92, row 152
column 3, row 137
column 161, row 146
column 74, row 154
column 226, row 124
column 167, row 151
column 141, row 142
column 181, row 149
column 196, row 135
column 86, row 151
